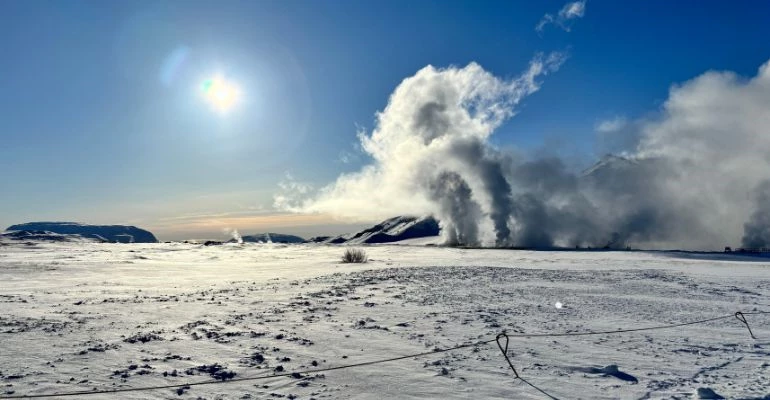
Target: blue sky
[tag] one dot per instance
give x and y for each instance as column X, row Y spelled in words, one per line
column 102, row 124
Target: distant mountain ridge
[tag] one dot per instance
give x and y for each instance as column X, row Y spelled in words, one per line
column 391, row 230
column 45, row 236
column 106, row 233
column 272, row 237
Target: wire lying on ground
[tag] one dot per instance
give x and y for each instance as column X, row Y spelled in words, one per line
column 739, row 315
column 504, row 349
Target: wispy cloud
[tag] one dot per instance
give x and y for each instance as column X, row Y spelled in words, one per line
column 357, row 153
column 611, row 125
column 291, row 190
column 348, row 157
column 564, row 17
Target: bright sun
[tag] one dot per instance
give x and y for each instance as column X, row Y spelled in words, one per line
column 221, row 94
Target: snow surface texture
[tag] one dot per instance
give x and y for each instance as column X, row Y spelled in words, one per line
column 83, row 316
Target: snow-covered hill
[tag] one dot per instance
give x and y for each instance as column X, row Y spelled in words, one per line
column 110, row 233
column 44, row 236
column 388, row 231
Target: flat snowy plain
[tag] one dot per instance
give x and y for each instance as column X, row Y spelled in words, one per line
column 82, row 317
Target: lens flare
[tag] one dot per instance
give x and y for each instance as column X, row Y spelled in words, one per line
column 173, row 65
column 221, row 94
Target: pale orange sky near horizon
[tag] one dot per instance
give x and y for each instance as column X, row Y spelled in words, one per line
column 218, row 226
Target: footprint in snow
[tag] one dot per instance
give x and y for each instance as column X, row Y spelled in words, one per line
column 610, row 370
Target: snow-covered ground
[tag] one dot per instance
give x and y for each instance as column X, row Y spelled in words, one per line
column 84, row 316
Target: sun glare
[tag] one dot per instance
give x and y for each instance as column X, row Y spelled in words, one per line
column 221, row 94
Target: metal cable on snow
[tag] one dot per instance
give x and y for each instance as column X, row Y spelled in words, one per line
column 739, row 315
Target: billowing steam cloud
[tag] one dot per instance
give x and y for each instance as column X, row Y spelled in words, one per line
column 757, row 230
column 453, row 196
column 692, row 177
column 431, row 153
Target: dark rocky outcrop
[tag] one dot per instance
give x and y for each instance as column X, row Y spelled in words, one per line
column 108, row 233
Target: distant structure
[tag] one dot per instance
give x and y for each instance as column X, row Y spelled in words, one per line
column 754, row 250
column 749, row 250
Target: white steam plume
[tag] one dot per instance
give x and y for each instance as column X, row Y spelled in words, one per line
column 714, row 136
column 691, row 181
column 234, row 234
column 693, row 177
column 431, row 140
